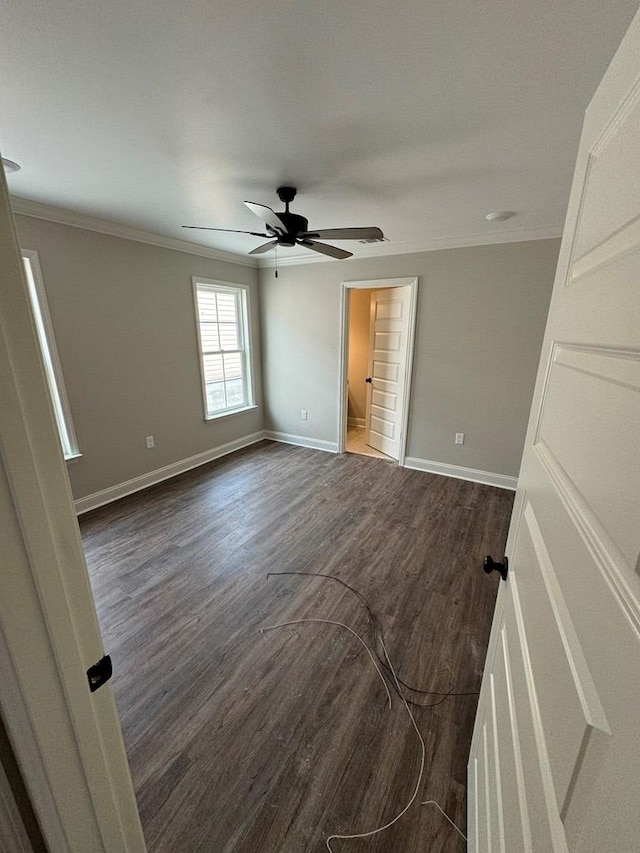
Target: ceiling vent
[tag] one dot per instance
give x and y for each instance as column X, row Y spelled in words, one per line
column 374, row 240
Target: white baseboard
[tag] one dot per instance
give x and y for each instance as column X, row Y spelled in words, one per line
column 502, row 481
column 120, row 490
column 357, row 422
column 302, row 441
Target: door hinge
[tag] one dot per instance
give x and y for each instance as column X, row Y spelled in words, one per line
column 100, row 673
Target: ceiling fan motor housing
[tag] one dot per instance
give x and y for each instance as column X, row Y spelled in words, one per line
column 294, row 224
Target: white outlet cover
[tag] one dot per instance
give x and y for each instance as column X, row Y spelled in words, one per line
column 459, row 438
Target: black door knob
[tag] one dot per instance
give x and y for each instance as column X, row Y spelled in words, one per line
column 490, row 564
column 368, row 379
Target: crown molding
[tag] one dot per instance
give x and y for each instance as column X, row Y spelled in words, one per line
column 387, row 249
column 64, row 216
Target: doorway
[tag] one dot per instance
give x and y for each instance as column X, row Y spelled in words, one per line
column 359, row 375
column 377, row 336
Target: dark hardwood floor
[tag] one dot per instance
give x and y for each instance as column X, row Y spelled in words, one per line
column 241, row 742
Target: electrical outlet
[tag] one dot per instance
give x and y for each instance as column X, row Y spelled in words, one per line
column 459, row 438
column 150, row 442
column 304, row 414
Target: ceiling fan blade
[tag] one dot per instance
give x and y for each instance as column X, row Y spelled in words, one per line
column 267, row 215
column 332, row 251
column 345, row 234
column 264, row 248
column 228, row 230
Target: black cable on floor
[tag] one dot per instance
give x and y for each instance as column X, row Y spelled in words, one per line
column 375, row 627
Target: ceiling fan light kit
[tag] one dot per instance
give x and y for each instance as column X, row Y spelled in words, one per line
column 290, row 229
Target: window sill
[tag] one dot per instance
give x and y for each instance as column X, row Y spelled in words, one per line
column 73, row 458
column 229, row 413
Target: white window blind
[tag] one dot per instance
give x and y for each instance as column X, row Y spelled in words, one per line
column 224, row 355
column 53, row 371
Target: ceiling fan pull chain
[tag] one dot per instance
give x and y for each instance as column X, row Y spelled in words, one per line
column 276, row 248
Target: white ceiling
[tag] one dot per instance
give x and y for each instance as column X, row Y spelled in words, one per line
column 418, row 116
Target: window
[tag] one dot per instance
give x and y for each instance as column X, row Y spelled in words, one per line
column 223, row 334
column 53, row 371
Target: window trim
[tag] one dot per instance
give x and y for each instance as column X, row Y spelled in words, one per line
column 50, row 358
column 245, row 326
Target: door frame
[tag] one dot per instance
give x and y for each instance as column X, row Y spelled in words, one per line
column 343, row 385
column 67, row 741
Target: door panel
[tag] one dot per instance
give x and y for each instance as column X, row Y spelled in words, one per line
column 383, row 371
column 495, row 777
column 606, row 383
column 380, row 427
column 387, row 342
column 608, row 215
column 514, row 794
column 483, row 808
column 562, row 678
column 568, row 702
column 543, row 815
column 388, row 357
column 538, row 812
column 384, row 399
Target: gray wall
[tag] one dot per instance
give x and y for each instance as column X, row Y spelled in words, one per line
column 481, row 319
column 125, row 328
column 124, row 322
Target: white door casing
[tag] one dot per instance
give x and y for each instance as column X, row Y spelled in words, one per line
column 408, row 287
column 555, row 757
column 67, row 740
column 388, row 341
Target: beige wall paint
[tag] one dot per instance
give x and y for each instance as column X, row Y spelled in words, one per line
column 125, row 328
column 124, row 322
column 481, row 317
column 359, row 318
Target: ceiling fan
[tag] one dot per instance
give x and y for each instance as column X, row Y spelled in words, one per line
column 291, row 229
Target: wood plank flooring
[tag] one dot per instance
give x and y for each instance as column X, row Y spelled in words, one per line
column 241, row 742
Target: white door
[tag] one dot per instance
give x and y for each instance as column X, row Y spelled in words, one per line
column 388, row 357
column 555, row 758
column 67, row 739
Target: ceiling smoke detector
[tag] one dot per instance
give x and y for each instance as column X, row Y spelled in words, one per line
column 500, row 215
column 10, row 166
